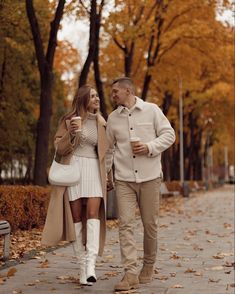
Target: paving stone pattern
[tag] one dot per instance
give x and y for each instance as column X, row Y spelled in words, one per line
column 196, row 251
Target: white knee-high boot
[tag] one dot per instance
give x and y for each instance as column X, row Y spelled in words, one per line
column 80, row 253
column 92, row 246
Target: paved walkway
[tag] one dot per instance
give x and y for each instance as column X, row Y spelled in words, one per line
column 196, row 254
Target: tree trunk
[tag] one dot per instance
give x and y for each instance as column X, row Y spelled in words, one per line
column 45, row 66
column 166, row 102
column 99, row 84
column 92, row 46
column 43, row 130
column 28, row 178
column 147, row 80
column 128, row 59
column 197, row 170
column 175, row 166
column 167, row 155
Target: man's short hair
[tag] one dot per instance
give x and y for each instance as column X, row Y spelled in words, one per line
column 125, row 81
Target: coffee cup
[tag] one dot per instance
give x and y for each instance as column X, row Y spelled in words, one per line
column 134, row 141
column 78, row 121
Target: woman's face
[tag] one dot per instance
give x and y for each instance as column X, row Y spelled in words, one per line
column 94, row 103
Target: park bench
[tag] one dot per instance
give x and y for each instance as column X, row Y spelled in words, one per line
column 165, row 192
column 5, row 230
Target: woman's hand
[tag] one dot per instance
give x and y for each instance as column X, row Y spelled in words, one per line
column 73, row 128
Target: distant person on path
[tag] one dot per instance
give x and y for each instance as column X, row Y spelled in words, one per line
column 138, row 174
column 77, row 213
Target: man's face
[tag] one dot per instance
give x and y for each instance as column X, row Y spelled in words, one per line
column 119, row 94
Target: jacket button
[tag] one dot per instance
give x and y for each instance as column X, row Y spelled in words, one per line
column 131, row 128
column 133, row 156
column 136, row 171
column 129, row 114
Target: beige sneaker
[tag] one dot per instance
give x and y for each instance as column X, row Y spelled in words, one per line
column 128, row 282
column 146, row 274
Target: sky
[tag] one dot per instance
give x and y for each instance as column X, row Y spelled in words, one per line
column 77, row 32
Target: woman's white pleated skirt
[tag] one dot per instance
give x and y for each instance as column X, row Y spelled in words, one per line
column 90, row 180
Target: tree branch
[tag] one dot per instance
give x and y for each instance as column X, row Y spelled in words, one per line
column 53, row 33
column 169, row 48
column 118, row 44
column 177, row 16
column 36, row 34
column 101, row 8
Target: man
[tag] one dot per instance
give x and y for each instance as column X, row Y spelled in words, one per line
column 137, row 175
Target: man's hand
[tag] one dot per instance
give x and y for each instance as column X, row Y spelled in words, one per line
column 109, row 179
column 110, row 185
column 140, row 149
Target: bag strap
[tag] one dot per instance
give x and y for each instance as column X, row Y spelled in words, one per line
column 56, row 152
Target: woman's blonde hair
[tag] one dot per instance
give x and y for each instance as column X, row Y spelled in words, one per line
column 80, row 103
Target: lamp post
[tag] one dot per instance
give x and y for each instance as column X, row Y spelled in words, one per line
column 226, row 164
column 185, row 190
column 181, row 134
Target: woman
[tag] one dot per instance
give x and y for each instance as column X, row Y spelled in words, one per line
column 77, row 213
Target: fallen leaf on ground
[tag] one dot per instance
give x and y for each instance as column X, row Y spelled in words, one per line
column 30, row 284
column 197, row 247
column 162, row 278
column 111, row 274
column 164, row 226
column 214, row 268
column 179, row 264
column 214, row 280
column 127, row 292
column 112, row 224
column 11, row 272
column 218, row 256
column 189, row 270
column 229, row 264
column 174, row 256
column 198, row 274
column 115, row 266
column 44, row 264
column 57, row 254
column 227, row 254
column 37, row 257
column 187, row 238
column 227, row 226
column 177, row 286
column 192, row 232
column 163, row 249
column 62, row 277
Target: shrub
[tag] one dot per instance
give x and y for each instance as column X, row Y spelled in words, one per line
column 24, row 207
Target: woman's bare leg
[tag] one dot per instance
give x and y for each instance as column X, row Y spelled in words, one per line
column 93, row 206
column 76, row 209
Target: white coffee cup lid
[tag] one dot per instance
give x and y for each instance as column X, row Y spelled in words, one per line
column 134, row 139
column 76, row 117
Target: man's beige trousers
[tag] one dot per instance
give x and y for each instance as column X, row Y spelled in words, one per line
column 146, row 194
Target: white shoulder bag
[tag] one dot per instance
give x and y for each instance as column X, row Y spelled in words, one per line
column 63, row 174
